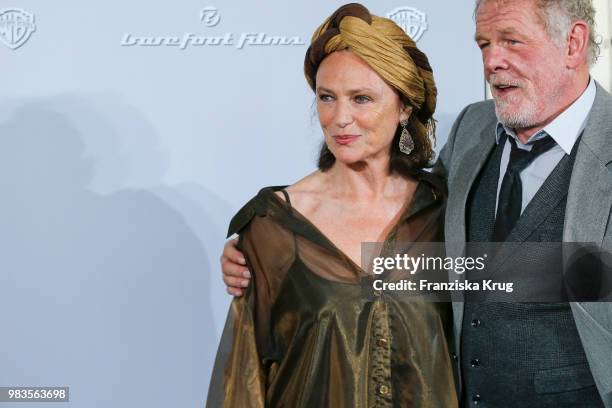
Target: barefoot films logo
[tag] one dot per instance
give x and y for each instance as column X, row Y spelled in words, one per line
column 210, row 17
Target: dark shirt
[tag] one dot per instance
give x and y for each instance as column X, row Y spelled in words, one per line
column 312, row 332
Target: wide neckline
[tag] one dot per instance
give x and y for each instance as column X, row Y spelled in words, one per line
column 300, row 216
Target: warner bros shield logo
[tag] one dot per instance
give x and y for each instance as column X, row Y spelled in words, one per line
column 411, row 20
column 16, row 26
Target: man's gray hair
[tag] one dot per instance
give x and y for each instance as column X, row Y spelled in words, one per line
column 558, row 17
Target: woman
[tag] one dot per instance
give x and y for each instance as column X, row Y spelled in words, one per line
column 311, row 331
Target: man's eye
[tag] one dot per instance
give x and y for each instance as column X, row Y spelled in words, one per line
column 325, row 98
column 362, row 99
column 513, row 42
column 483, row 45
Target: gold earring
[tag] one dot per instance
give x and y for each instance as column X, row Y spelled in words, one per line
column 406, row 144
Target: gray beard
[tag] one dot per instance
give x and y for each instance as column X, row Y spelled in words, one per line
column 515, row 120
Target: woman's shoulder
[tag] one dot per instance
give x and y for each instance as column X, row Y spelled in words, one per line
column 434, row 181
column 273, row 200
column 303, row 191
column 257, row 206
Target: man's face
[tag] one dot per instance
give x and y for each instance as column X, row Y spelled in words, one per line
column 525, row 68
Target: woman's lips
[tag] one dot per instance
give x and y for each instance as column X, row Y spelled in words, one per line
column 345, row 139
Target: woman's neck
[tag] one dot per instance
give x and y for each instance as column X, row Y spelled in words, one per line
column 364, row 181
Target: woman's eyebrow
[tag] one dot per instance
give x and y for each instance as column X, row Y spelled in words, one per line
column 350, row 91
column 323, row 89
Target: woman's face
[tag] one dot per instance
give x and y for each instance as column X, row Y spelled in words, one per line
column 358, row 111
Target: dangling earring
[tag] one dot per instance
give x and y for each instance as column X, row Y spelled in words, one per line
column 406, row 144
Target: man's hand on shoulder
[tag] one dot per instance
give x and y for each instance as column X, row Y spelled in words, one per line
column 233, row 265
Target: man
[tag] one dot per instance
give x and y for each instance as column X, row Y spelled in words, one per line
column 534, row 165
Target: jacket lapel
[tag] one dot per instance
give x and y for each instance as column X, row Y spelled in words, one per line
column 546, row 200
column 459, row 190
column 460, row 186
column 590, row 193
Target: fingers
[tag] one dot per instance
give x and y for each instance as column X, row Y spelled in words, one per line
column 236, row 283
column 236, row 275
column 232, row 261
column 232, row 254
column 234, row 270
column 234, row 292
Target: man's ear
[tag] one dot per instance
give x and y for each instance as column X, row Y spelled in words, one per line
column 577, row 44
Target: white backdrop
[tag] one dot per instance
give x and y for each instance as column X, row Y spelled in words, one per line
column 121, row 164
column 602, row 71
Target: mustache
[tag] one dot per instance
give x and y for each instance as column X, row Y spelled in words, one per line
column 495, row 80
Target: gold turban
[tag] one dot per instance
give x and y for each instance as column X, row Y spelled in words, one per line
column 389, row 51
